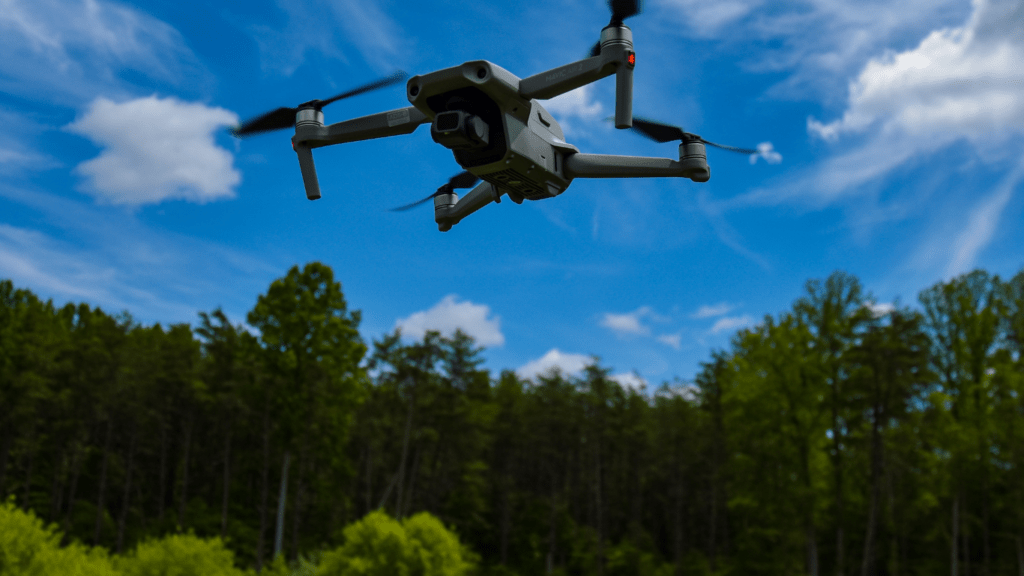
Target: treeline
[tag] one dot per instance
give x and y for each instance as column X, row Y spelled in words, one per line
column 839, row 437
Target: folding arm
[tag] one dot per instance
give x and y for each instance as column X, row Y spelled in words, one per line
column 566, row 78
column 312, row 132
column 608, row 166
column 449, row 209
column 617, row 57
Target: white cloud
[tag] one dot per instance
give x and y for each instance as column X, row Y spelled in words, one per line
column 713, row 310
column 960, row 82
column 319, row 25
column 959, row 86
column 629, row 324
column 155, row 149
column 767, row 151
column 730, row 323
column 879, row 309
column 70, row 50
column 846, row 34
column 712, row 16
column 566, row 363
column 630, row 380
column 672, row 340
column 449, row 315
column 578, row 104
column 625, row 324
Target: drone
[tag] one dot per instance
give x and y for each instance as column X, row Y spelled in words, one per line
column 500, row 134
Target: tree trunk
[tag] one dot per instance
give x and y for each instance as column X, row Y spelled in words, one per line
column 282, row 500
column 867, row 567
column 1020, row 556
column 954, row 549
column 812, row 549
column 5, row 449
column 76, row 467
column 407, row 507
column 127, row 492
column 32, row 449
column 838, row 467
column 101, row 496
column 299, row 502
column 401, row 463
column 552, row 525
column 227, row 484
column 184, row 473
column 599, row 503
column 162, row 496
column 264, row 489
column 369, row 478
column 506, row 520
column 60, row 471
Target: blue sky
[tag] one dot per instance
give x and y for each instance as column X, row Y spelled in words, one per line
column 895, row 132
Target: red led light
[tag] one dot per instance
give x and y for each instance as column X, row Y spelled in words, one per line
column 632, row 59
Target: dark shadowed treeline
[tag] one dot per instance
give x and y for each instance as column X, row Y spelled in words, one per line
column 840, row 437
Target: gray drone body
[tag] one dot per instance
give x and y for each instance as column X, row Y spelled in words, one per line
column 498, row 130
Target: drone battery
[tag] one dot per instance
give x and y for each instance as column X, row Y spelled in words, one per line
column 459, row 130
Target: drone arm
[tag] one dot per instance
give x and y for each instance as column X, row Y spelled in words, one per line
column 565, row 78
column 447, row 214
column 380, row 125
column 609, row 166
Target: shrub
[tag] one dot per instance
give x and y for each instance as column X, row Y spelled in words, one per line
column 378, row 545
column 28, row 548
column 180, row 555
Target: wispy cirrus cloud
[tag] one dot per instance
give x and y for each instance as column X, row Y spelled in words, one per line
column 66, row 52
column 712, row 310
column 111, row 259
column 317, row 25
column 958, row 85
column 730, row 323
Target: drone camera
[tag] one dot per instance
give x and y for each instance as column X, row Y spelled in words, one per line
column 459, row 130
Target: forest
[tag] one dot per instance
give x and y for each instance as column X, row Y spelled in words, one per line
column 838, row 437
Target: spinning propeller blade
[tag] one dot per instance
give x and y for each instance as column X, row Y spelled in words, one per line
column 621, row 9
column 460, row 180
column 285, row 117
column 666, row 133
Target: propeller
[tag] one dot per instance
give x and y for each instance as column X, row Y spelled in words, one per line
column 285, row 117
column 460, row 180
column 621, row 9
column 666, row 133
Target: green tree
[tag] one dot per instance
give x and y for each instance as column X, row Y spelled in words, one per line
column 963, row 319
column 312, row 346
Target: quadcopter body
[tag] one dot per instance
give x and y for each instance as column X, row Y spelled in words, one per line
column 497, row 129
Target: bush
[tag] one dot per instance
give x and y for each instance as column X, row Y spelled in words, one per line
column 378, row 545
column 180, row 555
column 28, row 548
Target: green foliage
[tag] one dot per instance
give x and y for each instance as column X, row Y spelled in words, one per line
column 378, row 545
column 837, row 436
column 28, row 548
column 179, row 555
